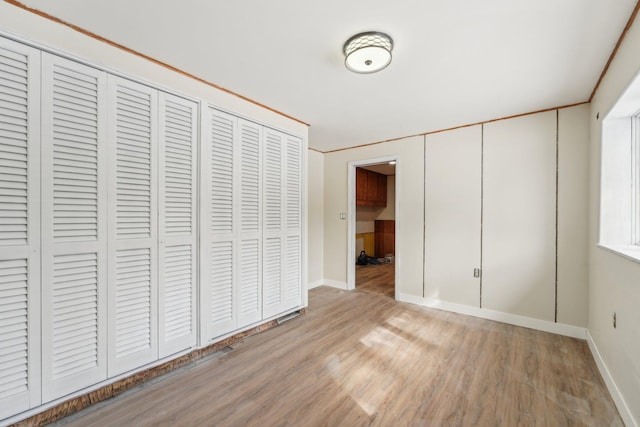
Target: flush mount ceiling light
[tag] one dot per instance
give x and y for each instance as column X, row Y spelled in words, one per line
column 368, row 52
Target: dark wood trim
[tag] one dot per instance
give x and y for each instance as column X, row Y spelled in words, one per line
column 555, row 289
column 632, row 18
column 186, row 74
column 147, row 57
column 76, row 404
column 457, row 127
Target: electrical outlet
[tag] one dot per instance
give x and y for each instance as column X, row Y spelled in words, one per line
column 614, row 320
column 343, row 215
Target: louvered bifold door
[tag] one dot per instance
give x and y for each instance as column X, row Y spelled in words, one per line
column 249, row 265
column 293, row 229
column 74, row 225
column 218, row 209
column 282, row 227
column 19, row 228
column 273, row 223
column 177, row 250
column 133, row 284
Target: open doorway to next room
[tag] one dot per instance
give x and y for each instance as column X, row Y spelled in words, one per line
column 375, row 228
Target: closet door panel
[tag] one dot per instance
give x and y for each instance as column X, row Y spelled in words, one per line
column 74, row 238
column 249, row 289
column 20, row 228
column 293, row 273
column 274, row 222
column 178, row 151
column 293, row 231
column 132, row 296
column 272, row 287
column 453, row 169
column 282, row 227
column 250, row 224
column 219, row 223
column 519, row 205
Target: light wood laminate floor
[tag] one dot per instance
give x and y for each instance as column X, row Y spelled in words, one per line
column 361, row 359
column 378, row 279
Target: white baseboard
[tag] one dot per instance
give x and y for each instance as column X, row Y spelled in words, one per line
column 315, row 284
column 512, row 319
column 334, row 284
column 617, row 396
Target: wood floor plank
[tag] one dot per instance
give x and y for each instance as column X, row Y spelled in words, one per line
column 377, row 279
column 363, row 359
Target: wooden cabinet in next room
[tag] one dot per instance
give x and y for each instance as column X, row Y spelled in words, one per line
column 371, row 188
column 385, row 237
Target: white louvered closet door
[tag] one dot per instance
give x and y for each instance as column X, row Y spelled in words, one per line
column 293, row 217
column 249, row 265
column 218, row 224
column 132, row 160
column 282, row 201
column 274, row 236
column 177, row 250
column 74, row 238
column 19, row 228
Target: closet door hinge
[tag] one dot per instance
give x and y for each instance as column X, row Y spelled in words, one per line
column 476, row 272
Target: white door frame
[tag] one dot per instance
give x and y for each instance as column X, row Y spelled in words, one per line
column 351, row 215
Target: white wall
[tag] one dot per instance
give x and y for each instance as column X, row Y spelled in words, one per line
column 573, row 196
column 519, row 212
column 453, row 215
column 410, row 176
column 573, row 137
column 315, row 245
column 614, row 281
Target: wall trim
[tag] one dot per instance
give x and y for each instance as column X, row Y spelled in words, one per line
column 615, row 392
column 630, row 21
column 498, row 316
column 166, row 65
column 334, row 284
column 562, row 107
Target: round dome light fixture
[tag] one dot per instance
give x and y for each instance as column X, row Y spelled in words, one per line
column 368, row 52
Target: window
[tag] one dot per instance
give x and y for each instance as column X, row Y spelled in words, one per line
column 635, row 179
column 620, row 175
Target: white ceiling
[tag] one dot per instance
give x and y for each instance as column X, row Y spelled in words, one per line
column 454, row 62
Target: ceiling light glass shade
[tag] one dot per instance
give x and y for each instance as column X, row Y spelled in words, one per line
column 368, row 52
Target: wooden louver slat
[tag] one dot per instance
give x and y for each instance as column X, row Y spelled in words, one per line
column 133, row 301
column 13, row 148
column 178, row 185
column 133, row 163
column 75, row 153
column 178, row 282
column 221, row 175
column 14, row 360
column 75, row 317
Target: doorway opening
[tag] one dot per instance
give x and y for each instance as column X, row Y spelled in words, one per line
column 373, row 213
